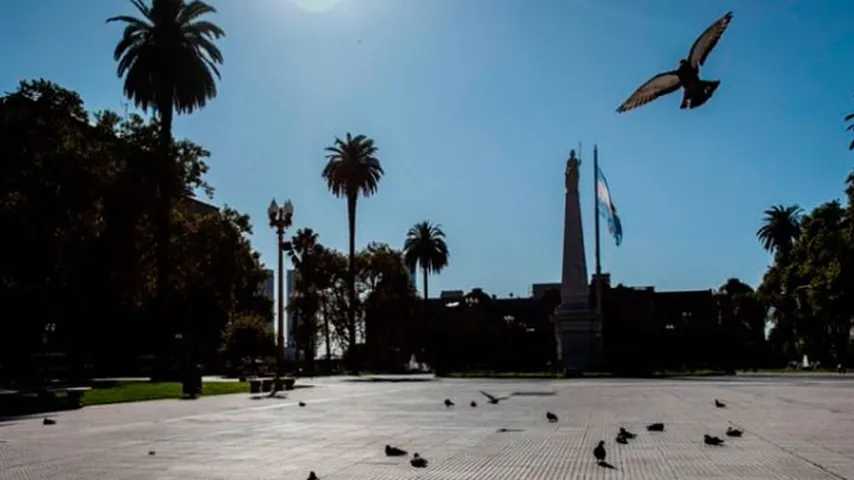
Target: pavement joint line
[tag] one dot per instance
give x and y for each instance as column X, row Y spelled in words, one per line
column 798, row 456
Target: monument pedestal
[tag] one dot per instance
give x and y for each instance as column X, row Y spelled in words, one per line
column 579, row 337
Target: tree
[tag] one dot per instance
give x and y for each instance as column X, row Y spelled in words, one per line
column 389, row 307
column 425, row 246
column 781, row 227
column 352, row 168
column 743, row 319
column 77, row 276
column 306, row 254
column 823, row 259
column 217, row 275
column 168, row 60
column 245, row 339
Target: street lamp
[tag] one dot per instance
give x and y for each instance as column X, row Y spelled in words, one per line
column 280, row 219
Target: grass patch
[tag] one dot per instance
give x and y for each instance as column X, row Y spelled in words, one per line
column 140, row 391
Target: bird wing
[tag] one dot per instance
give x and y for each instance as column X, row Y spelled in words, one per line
column 707, row 41
column 661, row 84
column 489, row 396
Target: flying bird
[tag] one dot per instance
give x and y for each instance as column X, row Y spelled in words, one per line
column 492, row 398
column 720, row 404
column 733, row 432
column 418, row 461
column 48, row 421
column 599, row 452
column 394, row 451
column 627, row 433
column 448, row 402
column 710, row 440
column 695, row 91
column 551, row 417
column 655, row 427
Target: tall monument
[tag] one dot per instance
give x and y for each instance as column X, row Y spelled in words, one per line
column 578, row 329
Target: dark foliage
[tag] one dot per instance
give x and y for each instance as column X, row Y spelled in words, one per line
column 77, row 272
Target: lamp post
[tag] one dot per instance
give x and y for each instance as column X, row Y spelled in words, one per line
column 280, row 219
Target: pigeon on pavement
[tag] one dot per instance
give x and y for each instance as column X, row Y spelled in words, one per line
column 629, row 435
column 492, row 398
column 551, row 417
column 710, row 440
column 655, row 427
column 48, row 421
column 599, row 452
column 733, row 432
column 720, row 404
column 448, row 402
column 418, row 461
column 394, row 451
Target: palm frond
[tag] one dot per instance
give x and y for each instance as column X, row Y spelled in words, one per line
column 140, row 53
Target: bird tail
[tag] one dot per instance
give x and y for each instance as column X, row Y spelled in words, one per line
column 700, row 95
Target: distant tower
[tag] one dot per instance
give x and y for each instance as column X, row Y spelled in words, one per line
column 578, row 330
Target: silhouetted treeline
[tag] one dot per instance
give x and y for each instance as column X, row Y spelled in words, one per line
column 77, row 276
column 809, row 287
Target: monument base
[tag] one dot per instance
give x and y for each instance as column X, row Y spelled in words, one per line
column 579, row 337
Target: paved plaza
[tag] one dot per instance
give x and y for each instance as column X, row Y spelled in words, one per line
column 795, row 428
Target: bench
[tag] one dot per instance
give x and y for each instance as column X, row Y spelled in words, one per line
column 73, row 394
column 7, row 399
column 42, row 398
column 265, row 384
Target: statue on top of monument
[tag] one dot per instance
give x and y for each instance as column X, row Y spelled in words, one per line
column 572, row 165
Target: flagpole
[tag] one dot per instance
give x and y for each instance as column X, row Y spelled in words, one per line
column 597, row 279
column 596, row 204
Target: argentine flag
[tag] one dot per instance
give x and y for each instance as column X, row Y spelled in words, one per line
column 607, row 209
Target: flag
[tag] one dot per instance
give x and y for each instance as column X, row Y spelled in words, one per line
column 607, row 209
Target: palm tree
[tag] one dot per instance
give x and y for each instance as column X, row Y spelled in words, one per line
column 306, row 253
column 781, row 227
column 425, row 246
column 168, row 60
column 352, row 168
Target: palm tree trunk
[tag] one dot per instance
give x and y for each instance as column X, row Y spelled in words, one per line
column 162, row 216
column 325, row 312
column 426, row 296
column 351, row 274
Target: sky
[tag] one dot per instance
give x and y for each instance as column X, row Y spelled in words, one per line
column 474, row 106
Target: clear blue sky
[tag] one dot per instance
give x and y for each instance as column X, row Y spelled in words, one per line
column 475, row 105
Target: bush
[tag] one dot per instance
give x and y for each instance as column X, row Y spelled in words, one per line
column 246, row 339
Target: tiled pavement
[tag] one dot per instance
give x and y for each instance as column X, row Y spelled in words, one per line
column 795, row 428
